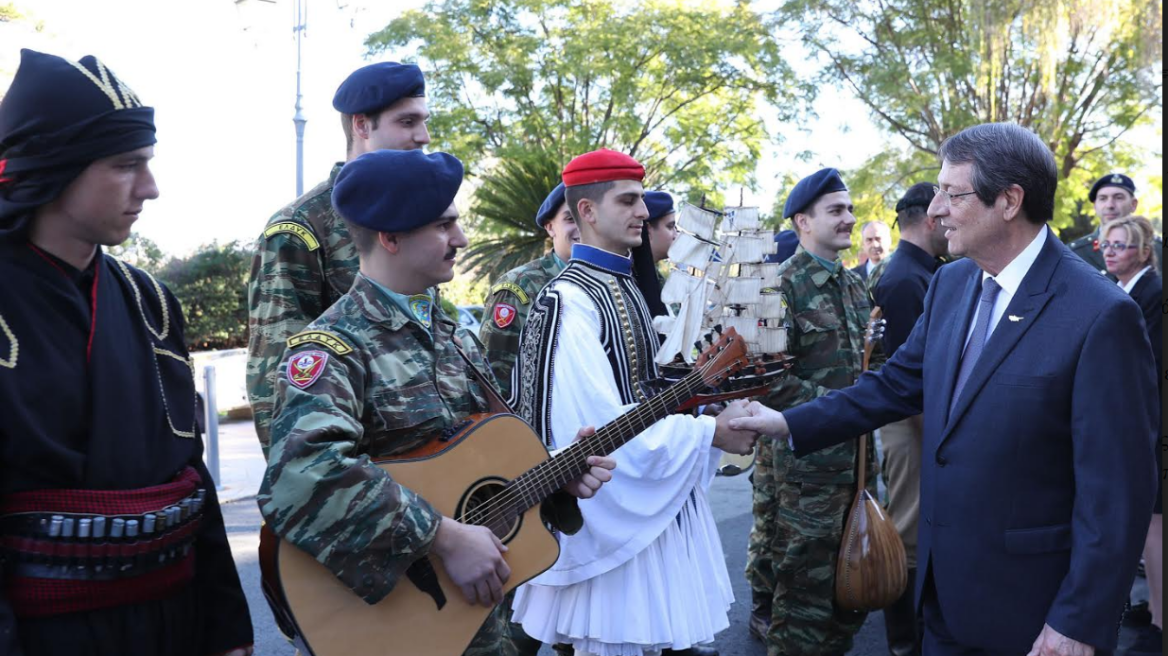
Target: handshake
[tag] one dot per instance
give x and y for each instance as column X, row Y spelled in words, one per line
column 741, row 424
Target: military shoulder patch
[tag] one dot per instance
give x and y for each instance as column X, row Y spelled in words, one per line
column 327, row 340
column 511, row 287
column 290, row 227
column 504, row 314
column 306, row 368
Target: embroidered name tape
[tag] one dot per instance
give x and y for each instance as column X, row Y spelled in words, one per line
column 304, row 234
column 524, row 299
column 327, row 340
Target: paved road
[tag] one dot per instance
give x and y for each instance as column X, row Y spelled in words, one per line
column 731, row 505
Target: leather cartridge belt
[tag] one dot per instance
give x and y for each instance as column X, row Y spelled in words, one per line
column 95, row 547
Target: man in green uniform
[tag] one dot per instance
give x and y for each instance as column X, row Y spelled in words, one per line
column 305, row 259
column 509, row 300
column 809, row 497
column 1114, row 197
column 380, row 373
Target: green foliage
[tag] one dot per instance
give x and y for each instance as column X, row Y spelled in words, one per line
column 505, row 205
column 1080, row 73
column 211, row 284
column 677, row 85
column 141, row 252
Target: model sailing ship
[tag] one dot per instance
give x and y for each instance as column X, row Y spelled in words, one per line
column 718, row 282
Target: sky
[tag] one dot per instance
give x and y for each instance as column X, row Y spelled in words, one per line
column 221, row 76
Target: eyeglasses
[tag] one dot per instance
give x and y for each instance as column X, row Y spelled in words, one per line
column 937, row 191
column 1118, row 246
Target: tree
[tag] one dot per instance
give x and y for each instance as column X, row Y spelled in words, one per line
column 676, row 85
column 1081, row 74
column 211, row 285
column 140, row 252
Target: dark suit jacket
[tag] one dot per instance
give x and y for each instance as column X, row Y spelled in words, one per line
column 1036, row 493
column 861, row 270
column 1147, row 293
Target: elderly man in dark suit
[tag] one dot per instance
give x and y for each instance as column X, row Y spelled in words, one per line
column 1040, row 417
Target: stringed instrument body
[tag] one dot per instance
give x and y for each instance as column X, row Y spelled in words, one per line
column 494, row 472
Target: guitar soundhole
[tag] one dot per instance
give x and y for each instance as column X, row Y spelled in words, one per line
column 481, row 505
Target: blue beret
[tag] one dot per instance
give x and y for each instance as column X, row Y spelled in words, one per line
column 547, row 211
column 397, row 190
column 786, row 241
column 809, row 189
column 659, row 204
column 1112, row 180
column 374, row 87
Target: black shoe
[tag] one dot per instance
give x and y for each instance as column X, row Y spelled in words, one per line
column 692, row 651
column 1138, row 615
column 564, row 650
column 1149, row 640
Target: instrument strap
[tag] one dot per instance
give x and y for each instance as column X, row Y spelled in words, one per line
column 495, row 403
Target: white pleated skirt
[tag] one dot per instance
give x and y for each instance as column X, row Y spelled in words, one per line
column 673, row 595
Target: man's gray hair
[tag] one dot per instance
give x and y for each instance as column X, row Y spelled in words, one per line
column 1005, row 154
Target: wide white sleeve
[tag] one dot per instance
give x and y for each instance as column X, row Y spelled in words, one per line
column 656, row 471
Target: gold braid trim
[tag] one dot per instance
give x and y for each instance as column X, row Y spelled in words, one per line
column 630, row 343
column 160, row 336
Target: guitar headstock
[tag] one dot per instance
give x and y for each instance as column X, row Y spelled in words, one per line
column 873, row 334
column 724, row 357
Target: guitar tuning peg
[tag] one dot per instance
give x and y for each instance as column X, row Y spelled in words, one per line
column 709, row 338
column 718, row 329
column 698, row 345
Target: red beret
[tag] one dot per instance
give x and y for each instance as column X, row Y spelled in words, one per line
column 602, row 165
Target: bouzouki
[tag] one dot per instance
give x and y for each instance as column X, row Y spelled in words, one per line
column 498, row 479
column 871, row 570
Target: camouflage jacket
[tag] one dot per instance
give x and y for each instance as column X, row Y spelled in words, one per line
column 304, row 262
column 877, row 273
column 1087, row 247
column 828, row 314
column 364, row 381
column 507, row 306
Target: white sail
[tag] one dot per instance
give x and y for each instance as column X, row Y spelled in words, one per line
column 740, row 218
column 741, row 291
column 746, row 326
column 686, row 328
column 697, row 221
column 678, row 286
column 689, row 251
column 748, row 249
column 770, row 341
column 770, row 306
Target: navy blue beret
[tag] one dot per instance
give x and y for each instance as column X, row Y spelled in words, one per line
column 397, row 190
column 919, row 195
column 809, row 189
column 659, row 204
column 372, row 88
column 1112, row 180
column 547, row 211
column 786, row 241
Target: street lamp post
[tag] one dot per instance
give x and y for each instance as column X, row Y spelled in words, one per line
column 298, row 118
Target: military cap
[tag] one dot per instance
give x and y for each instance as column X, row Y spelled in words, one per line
column 602, row 165
column 809, row 189
column 57, row 118
column 659, row 204
column 397, row 190
column 374, row 87
column 919, row 195
column 1112, row 180
column 786, row 241
column 547, row 211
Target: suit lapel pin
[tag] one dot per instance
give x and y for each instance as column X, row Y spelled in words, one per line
column 1015, row 318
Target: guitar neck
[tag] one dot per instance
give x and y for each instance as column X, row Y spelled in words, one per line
column 539, row 482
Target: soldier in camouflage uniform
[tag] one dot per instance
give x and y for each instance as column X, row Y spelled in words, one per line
column 509, row 300
column 378, row 374
column 305, row 259
column 806, row 500
column 1114, row 197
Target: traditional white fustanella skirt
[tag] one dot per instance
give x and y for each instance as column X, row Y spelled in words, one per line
column 674, row 594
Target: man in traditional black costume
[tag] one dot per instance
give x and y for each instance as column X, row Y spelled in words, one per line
column 111, row 538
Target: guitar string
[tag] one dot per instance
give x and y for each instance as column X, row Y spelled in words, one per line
column 570, row 459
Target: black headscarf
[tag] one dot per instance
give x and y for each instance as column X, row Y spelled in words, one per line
column 645, row 273
column 57, row 118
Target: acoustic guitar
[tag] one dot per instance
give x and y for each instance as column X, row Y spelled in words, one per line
column 494, row 472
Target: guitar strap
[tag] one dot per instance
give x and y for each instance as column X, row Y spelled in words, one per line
column 495, row 403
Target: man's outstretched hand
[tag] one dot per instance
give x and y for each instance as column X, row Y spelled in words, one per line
column 763, row 421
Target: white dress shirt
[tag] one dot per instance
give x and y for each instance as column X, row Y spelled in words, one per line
column 1010, row 279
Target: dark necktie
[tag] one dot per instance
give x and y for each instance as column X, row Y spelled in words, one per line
column 985, row 308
